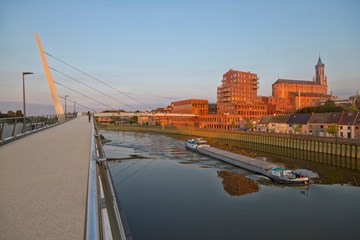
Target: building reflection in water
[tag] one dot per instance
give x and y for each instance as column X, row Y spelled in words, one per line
column 236, row 184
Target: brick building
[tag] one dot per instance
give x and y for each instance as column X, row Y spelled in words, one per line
column 238, row 95
column 289, row 95
column 212, row 108
column 190, row 106
column 222, row 121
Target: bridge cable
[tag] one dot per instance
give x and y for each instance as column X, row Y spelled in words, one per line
column 84, row 95
column 106, row 84
column 77, row 103
column 91, row 87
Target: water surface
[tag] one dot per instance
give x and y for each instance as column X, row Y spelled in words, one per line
column 173, row 193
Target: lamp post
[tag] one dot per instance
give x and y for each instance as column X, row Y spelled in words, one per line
column 74, row 107
column 23, row 77
column 24, row 103
column 65, row 104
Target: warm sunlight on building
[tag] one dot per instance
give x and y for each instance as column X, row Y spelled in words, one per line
column 290, row 95
column 238, row 95
column 190, row 106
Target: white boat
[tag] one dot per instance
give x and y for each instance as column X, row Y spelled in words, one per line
column 283, row 175
column 194, row 144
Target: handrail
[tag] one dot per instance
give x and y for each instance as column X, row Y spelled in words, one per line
column 16, row 127
column 92, row 228
column 98, row 168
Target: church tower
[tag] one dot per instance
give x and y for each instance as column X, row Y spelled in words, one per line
column 320, row 77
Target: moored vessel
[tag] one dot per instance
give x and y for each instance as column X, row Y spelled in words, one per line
column 274, row 172
column 194, row 144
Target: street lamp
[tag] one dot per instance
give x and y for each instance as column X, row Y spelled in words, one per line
column 74, row 107
column 24, row 104
column 65, row 104
column 23, row 77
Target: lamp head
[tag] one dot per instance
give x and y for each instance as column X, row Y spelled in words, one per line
column 27, row 73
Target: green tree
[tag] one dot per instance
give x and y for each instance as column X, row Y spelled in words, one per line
column 19, row 113
column 330, row 104
column 298, row 128
column 250, row 125
column 232, row 124
column 11, row 113
column 352, row 108
column 332, row 130
column 134, row 119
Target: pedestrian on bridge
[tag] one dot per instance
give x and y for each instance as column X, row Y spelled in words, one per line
column 89, row 115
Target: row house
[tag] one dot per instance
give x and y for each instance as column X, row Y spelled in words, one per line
column 298, row 123
column 279, row 123
column 315, row 124
column 357, row 127
column 349, row 125
column 319, row 122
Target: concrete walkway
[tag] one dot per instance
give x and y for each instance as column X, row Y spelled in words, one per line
column 44, row 183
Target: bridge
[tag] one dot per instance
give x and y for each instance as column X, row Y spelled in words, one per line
column 55, row 185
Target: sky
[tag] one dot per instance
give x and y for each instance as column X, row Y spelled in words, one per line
column 162, row 51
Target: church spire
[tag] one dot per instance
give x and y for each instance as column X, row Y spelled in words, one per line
column 319, row 61
column 320, row 77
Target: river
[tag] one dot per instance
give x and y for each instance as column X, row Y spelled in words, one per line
column 168, row 192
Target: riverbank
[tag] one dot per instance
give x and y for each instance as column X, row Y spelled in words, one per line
column 329, row 174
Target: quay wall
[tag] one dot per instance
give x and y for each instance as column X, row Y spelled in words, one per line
column 341, row 152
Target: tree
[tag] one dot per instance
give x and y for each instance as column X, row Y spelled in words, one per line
column 250, row 125
column 352, row 108
column 328, row 107
column 134, row 119
column 332, row 130
column 11, row 113
column 330, row 104
column 19, row 113
column 298, row 128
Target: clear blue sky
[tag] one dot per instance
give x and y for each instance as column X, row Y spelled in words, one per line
column 161, row 51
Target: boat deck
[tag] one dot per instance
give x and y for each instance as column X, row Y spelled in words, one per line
column 253, row 164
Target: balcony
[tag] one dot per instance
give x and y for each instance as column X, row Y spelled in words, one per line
column 226, row 90
column 226, row 94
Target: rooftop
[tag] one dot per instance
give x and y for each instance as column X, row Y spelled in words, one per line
column 291, row 81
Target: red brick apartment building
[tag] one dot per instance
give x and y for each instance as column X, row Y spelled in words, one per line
column 190, row 106
column 237, row 95
column 290, row 95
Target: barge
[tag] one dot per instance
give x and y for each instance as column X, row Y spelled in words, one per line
column 274, row 172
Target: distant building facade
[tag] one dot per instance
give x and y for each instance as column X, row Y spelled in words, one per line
column 238, row 95
column 212, row 108
column 190, row 106
column 289, row 95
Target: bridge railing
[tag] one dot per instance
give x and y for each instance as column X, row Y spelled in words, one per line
column 17, row 126
column 101, row 192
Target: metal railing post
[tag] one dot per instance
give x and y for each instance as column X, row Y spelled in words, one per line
column 13, row 132
column 92, row 227
column 2, row 130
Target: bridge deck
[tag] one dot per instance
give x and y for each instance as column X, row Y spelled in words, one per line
column 44, row 182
